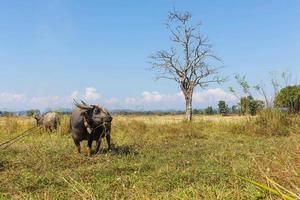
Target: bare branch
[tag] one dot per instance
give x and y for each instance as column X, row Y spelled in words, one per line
column 232, row 90
column 167, row 77
column 189, row 62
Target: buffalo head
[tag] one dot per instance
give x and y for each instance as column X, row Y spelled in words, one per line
column 95, row 113
column 39, row 120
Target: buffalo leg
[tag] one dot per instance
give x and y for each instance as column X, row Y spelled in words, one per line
column 90, row 142
column 108, row 141
column 98, row 145
column 48, row 129
column 77, row 143
column 54, row 128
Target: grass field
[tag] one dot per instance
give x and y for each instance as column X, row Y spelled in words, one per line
column 154, row 157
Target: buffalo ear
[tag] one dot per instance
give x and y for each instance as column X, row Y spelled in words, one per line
column 101, row 108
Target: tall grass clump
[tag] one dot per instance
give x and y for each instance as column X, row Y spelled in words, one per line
column 272, row 122
column 64, row 127
column 268, row 122
column 10, row 125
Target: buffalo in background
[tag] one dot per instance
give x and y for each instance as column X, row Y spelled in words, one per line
column 50, row 121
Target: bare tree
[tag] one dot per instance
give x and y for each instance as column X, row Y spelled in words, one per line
column 189, row 64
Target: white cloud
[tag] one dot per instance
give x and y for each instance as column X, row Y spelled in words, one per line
column 146, row 100
column 149, row 97
column 213, row 95
column 43, row 101
column 91, row 94
column 131, row 101
column 210, row 96
column 112, row 101
column 15, row 101
column 152, row 96
column 11, row 97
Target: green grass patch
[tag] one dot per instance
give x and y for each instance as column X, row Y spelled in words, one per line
column 150, row 161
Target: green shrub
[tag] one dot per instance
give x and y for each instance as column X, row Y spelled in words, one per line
column 249, row 105
column 209, row 110
column 223, row 108
column 289, row 97
column 255, row 106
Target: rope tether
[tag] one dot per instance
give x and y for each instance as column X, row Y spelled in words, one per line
column 22, row 135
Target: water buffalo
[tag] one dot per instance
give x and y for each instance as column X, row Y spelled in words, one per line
column 50, row 121
column 90, row 122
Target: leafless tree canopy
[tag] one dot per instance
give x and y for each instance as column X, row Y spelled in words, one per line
column 190, row 67
column 188, row 62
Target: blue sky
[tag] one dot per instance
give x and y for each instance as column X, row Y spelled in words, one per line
column 51, row 51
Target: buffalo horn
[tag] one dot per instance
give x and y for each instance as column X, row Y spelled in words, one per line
column 84, row 103
column 82, row 106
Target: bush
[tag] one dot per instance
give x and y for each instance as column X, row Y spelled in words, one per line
column 223, row 108
column 268, row 122
column 250, row 106
column 255, row 106
column 289, row 97
column 272, row 122
column 209, row 110
column 244, row 103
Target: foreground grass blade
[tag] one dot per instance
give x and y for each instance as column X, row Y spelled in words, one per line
column 267, row 188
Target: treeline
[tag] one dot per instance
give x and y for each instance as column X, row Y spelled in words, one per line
column 247, row 105
column 205, row 111
column 30, row 112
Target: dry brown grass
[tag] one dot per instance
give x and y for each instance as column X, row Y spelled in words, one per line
column 167, row 119
column 155, row 157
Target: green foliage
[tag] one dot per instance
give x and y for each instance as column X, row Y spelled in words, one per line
column 32, row 112
column 244, row 103
column 209, row 110
column 198, row 111
column 289, row 97
column 254, row 106
column 250, row 106
column 243, row 83
column 234, row 109
column 223, row 108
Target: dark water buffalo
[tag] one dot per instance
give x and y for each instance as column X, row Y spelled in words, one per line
column 90, row 122
column 50, row 121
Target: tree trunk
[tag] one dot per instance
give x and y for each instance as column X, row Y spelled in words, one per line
column 188, row 108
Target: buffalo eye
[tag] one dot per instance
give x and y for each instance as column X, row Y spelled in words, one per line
column 96, row 111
